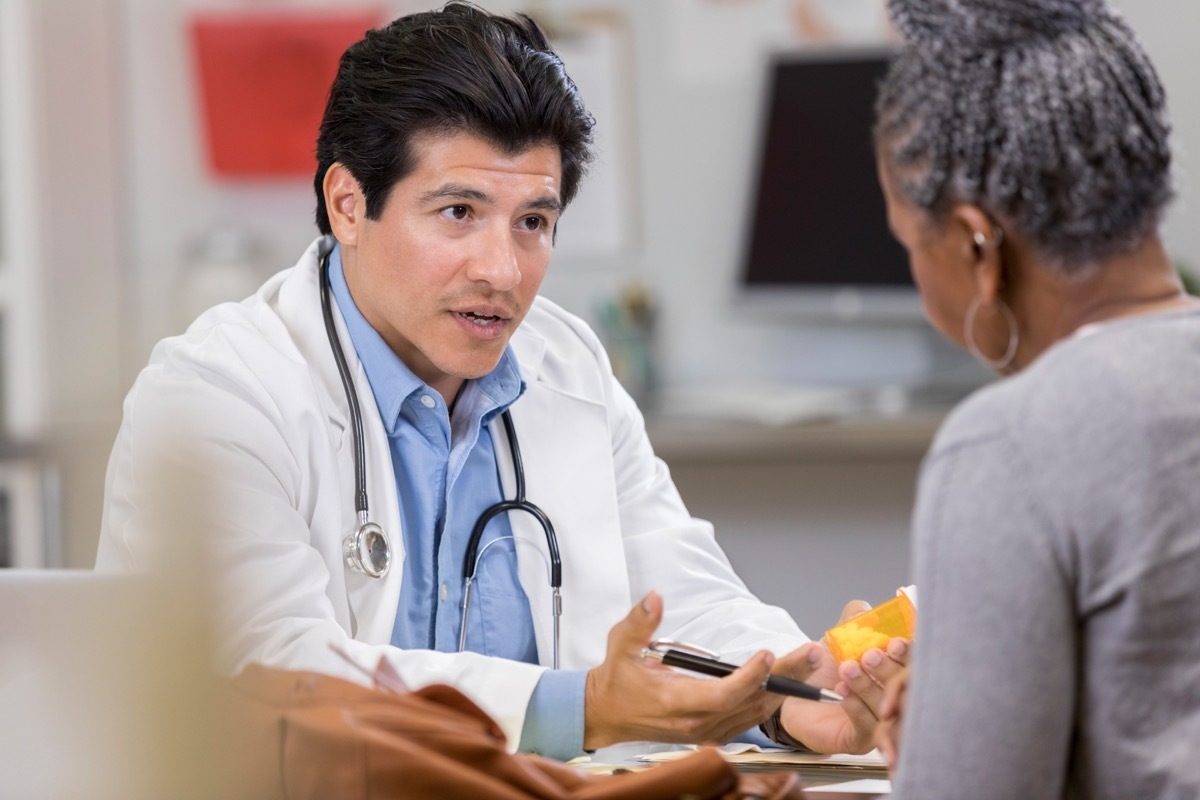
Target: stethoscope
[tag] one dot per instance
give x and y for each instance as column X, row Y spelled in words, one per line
column 367, row 549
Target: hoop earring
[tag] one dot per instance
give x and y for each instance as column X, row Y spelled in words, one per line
column 997, row 364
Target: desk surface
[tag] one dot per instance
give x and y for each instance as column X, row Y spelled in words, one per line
column 626, row 756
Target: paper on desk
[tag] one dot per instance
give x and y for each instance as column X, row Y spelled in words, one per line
column 750, row 754
column 586, row 764
column 871, row 786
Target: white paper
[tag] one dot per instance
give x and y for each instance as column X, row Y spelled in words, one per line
column 747, row 754
column 864, row 786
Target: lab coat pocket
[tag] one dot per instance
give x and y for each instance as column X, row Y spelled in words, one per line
column 499, row 622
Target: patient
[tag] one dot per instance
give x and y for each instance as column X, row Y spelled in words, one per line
column 1023, row 153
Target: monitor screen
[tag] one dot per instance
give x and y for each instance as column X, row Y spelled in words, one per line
column 817, row 240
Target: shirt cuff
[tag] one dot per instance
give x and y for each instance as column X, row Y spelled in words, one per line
column 756, row 736
column 554, row 718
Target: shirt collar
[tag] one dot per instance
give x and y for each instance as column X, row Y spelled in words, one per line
column 392, row 382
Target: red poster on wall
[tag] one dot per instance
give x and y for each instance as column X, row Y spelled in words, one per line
column 263, row 78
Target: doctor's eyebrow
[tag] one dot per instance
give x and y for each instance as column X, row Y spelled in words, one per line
column 458, row 191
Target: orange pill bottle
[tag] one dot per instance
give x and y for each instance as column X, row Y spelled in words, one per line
column 895, row 618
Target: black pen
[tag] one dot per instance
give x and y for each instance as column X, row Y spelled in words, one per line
column 711, row 666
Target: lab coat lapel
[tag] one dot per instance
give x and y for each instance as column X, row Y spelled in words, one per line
column 566, row 449
column 372, row 602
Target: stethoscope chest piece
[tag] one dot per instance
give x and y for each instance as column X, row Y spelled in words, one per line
column 367, row 551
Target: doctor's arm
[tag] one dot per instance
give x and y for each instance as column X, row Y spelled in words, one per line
column 706, row 603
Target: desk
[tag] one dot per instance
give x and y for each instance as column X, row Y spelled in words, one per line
column 626, row 756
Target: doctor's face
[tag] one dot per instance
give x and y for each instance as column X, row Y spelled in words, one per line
column 452, row 265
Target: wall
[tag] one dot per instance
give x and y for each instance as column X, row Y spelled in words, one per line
column 693, row 146
column 809, row 535
column 64, row 287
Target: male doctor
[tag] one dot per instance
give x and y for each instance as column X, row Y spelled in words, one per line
column 451, row 142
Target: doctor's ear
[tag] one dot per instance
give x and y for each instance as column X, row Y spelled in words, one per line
column 344, row 202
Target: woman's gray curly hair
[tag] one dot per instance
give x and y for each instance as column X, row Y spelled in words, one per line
column 1047, row 113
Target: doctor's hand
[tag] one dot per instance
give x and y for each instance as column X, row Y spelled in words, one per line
column 631, row 698
column 850, row 726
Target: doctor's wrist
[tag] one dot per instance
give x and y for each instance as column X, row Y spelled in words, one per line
column 597, row 732
column 773, row 729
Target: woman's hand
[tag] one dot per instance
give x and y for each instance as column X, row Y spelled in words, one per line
column 887, row 735
column 849, row 727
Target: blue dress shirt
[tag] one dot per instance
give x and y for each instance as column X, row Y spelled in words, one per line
column 446, row 475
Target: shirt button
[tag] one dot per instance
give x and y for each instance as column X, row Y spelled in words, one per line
column 443, row 591
column 427, row 401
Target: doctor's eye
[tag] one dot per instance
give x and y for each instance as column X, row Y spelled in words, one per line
column 534, row 223
column 456, row 212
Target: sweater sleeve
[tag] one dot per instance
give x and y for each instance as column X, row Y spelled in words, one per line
column 992, row 693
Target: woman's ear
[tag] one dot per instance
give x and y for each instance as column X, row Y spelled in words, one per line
column 344, row 202
column 982, row 240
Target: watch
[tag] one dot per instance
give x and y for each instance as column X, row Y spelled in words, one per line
column 774, row 730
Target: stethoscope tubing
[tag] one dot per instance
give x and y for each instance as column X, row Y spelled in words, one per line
column 361, row 506
column 519, row 503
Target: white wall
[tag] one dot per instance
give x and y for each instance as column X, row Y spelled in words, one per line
column 693, row 151
column 694, row 145
column 65, row 290
column 1167, row 30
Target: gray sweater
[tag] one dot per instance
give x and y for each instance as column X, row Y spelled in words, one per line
column 1057, row 551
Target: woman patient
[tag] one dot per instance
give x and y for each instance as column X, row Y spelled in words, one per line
column 1023, row 152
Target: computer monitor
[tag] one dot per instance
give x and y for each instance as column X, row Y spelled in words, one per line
column 816, row 238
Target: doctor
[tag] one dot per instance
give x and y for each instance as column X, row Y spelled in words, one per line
column 451, row 143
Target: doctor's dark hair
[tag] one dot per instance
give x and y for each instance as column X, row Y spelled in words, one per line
column 1046, row 113
column 458, row 69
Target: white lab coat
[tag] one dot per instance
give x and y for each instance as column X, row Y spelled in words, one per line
column 251, row 391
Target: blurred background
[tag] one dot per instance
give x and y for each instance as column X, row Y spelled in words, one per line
column 155, row 158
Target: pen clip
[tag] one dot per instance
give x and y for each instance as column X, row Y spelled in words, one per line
column 663, row 645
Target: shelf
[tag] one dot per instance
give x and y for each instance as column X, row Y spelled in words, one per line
column 756, row 423
column 690, row 441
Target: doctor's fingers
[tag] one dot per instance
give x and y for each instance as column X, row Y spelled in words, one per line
column 631, row 634
column 801, row 663
column 712, row 709
column 852, row 609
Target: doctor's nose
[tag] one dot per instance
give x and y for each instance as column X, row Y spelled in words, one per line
column 496, row 261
